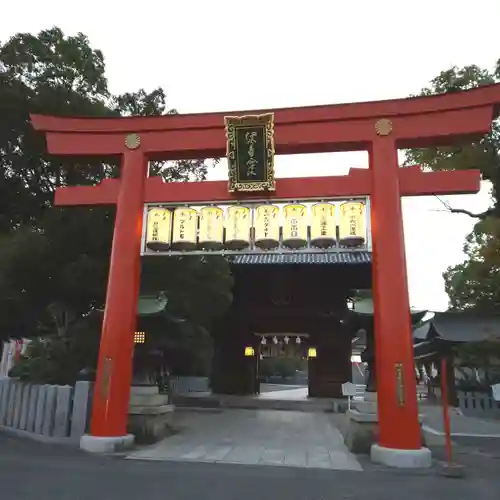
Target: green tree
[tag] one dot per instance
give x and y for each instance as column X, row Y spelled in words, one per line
column 56, row 255
column 473, row 284
column 70, row 345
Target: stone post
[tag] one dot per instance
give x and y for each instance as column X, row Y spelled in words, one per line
column 40, row 409
column 33, row 401
column 5, row 388
column 62, row 411
column 82, row 401
column 25, row 399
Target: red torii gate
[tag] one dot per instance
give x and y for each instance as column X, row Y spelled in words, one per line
column 381, row 128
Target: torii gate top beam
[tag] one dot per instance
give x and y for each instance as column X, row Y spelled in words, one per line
column 416, row 122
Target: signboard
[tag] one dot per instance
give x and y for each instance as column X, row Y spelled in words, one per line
column 323, row 226
column 352, row 224
column 238, row 224
column 158, row 229
column 256, row 227
column 211, row 230
column 295, row 226
column 267, row 226
column 348, row 389
column 185, row 229
column 495, row 390
column 250, row 152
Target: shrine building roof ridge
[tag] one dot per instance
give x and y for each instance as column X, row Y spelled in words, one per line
column 484, row 96
column 347, row 257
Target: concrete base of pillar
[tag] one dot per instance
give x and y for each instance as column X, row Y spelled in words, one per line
column 150, row 416
column 360, row 432
column 402, row 459
column 370, row 396
column 95, row 444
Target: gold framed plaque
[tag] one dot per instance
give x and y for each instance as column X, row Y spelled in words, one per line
column 250, row 152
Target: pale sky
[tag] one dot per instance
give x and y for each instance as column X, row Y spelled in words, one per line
column 223, row 55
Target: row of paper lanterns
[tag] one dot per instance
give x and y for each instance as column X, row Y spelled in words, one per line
column 185, row 228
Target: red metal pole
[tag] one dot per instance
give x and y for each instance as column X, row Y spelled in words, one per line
column 114, row 372
column 399, row 426
column 446, row 412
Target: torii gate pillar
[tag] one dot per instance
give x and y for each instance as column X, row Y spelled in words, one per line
column 381, row 128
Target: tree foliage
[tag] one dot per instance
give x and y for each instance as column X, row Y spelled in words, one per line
column 475, row 283
column 60, row 255
column 483, row 154
column 64, row 351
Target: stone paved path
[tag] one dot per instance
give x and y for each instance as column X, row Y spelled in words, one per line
column 255, row 437
column 297, row 393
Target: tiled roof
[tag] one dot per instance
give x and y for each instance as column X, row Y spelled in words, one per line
column 461, row 326
column 304, row 258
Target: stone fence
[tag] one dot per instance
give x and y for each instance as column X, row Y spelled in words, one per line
column 478, row 404
column 184, row 385
column 60, row 412
column 45, row 411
